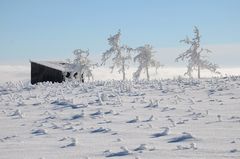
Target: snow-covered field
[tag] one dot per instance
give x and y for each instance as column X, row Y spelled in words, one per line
column 178, row 118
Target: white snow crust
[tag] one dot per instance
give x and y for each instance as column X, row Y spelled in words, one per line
column 170, row 119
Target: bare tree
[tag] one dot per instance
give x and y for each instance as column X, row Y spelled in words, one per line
column 121, row 54
column 196, row 61
column 145, row 60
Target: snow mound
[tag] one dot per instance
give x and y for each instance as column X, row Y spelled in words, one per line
column 141, row 147
column 134, row 120
column 163, row 133
column 39, row 132
column 124, row 152
column 184, row 136
column 18, row 113
column 73, row 142
column 77, row 116
column 192, row 146
column 101, row 130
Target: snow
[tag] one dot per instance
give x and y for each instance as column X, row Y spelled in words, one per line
column 163, row 133
column 177, row 118
column 58, row 65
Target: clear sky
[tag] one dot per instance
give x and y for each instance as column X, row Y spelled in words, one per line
column 52, row 29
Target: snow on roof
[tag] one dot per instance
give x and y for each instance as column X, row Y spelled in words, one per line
column 58, row 65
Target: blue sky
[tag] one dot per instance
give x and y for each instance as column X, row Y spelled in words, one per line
column 52, row 29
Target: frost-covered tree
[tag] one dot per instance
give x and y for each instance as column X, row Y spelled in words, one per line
column 81, row 65
column 121, row 54
column 194, row 57
column 146, row 60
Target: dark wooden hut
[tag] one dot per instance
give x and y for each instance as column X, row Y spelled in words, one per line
column 43, row 71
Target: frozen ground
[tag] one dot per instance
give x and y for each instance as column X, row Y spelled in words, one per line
column 111, row 119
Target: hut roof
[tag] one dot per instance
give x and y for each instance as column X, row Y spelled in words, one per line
column 58, row 65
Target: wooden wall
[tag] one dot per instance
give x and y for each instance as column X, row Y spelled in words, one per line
column 41, row 73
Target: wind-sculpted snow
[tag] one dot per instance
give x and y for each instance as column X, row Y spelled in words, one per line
column 180, row 118
column 184, row 136
column 163, row 133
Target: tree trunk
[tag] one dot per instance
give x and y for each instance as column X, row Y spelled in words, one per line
column 148, row 78
column 124, row 76
column 199, row 72
column 123, row 71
